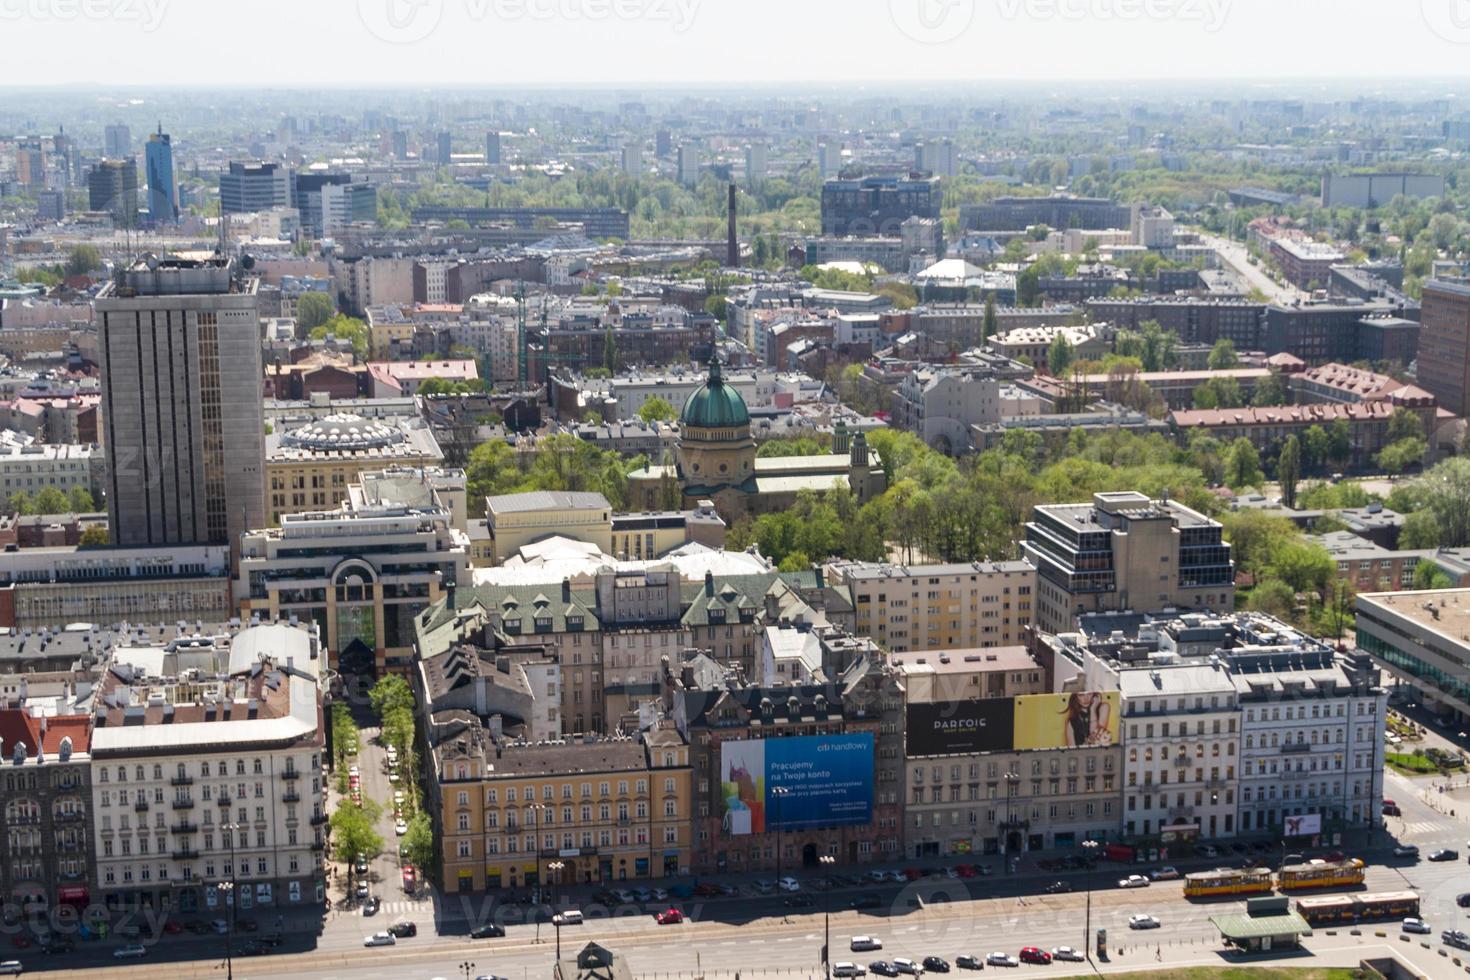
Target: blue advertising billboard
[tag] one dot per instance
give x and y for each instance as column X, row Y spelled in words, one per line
column 771, row 784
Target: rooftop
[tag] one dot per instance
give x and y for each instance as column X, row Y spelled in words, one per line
column 965, row 661
column 540, row 500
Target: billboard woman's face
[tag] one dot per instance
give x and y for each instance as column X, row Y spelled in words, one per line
column 1086, row 698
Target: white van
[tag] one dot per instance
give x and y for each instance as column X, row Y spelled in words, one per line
column 864, row 944
column 907, row 966
column 848, row 970
column 571, row 917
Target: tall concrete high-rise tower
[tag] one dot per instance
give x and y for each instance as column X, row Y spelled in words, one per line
column 181, row 403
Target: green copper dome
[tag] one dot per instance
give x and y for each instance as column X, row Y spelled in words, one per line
column 715, row 405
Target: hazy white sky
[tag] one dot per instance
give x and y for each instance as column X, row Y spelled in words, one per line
column 504, row 42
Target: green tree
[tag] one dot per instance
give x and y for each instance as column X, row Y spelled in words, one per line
column 990, row 327
column 313, row 309
column 657, row 409
column 353, row 834
column 82, row 259
column 1155, row 347
column 80, row 501
column 1243, row 465
column 1399, row 456
column 347, row 328
column 1222, row 355
column 390, row 692
column 1269, row 391
column 50, row 500
column 398, row 728
column 1339, row 442
column 1428, row 576
column 1059, row 356
column 94, row 536
column 1404, row 424
column 1420, row 531
column 1219, row 392
column 610, row 352
column 1289, row 469
column 1274, row 598
column 418, row 842
column 1315, row 446
column 1445, row 490
column 1028, row 287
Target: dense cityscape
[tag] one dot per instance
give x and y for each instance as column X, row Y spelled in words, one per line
column 617, row 531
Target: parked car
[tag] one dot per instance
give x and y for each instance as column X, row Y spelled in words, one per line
column 904, row 965
column 1444, row 854
column 10, row 968
column 848, row 970
column 1034, row 954
column 1143, row 921
column 1066, row 954
column 669, row 917
column 361, row 864
column 789, row 884
column 765, row 886
column 247, row 925
column 1457, row 938
column 865, row 902
column 220, row 926
column 797, row 902
column 490, row 930
column 57, row 946
column 1166, row 873
column 864, row 944
column 883, row 968
column 1463, row 900
column 1207, row 850
column 1002, row 959
column 1133, row 881
column 371, row 905
column 380, row 939
column 400, row 827
column 132, row 951
column 936, row 963
column 1417, row 926
column 967, row 962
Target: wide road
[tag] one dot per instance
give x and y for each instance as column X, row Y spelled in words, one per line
column 1236, row 257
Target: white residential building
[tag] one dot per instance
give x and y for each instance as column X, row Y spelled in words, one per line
column 206, row 771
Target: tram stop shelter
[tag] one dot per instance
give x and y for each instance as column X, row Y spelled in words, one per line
column 1268, row 924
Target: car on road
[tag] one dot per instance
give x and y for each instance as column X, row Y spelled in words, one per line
column 490, row 930
column 967, row 962
column 903, row 965
column 936, row 963
column 251, row 948
column 865, row 902
column 1406, row 851
column 1417, row 926
column 1166, row 873
column 1034, row 954
column 10, row 968
column 57, row 946
column 1066, row 954
column 1059, row 888
column 848, row 970
column 1002, row 959
column 1133, row 881
column 669, row 917
column 1143, row 921
column 1207, row 850
column 883, row 968
column 1444, row 854
column 570, row 917
column 623, row 895
column 403, row 929
column 789, row 884
column 362, row 890
column 380, row 939
column 797, row 902
column 220, row 926
column 864, row 944
column 131, row 951
column 1463, row 900
column 360, row 865
column 490, row 976
column 371, row 905
column 1458, row 938
column 247, row 925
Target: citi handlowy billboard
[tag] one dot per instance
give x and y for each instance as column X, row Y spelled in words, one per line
column 1031, row 721
column 773, row 784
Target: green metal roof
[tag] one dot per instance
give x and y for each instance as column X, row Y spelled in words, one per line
column 714, row 404
column 1240, row 926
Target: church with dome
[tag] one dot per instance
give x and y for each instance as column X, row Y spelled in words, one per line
column 715, row 459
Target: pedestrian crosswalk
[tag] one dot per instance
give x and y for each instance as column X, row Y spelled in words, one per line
column 405, row 907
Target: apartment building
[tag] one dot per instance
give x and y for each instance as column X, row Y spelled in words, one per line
column 311, row 461
column 1125, row 551
column 940, row 607
column 30, row 469
column 1444, row 343
column 206, row 772
column 605, row 808
column 46, row 849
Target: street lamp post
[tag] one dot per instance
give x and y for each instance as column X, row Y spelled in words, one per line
column 231, row 897
column 778, row 793
column 467, row 968
column 827, row 860
column 1090, row 850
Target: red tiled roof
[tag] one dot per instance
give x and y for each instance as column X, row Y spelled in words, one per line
column 1283, row 415
column 17, row 726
